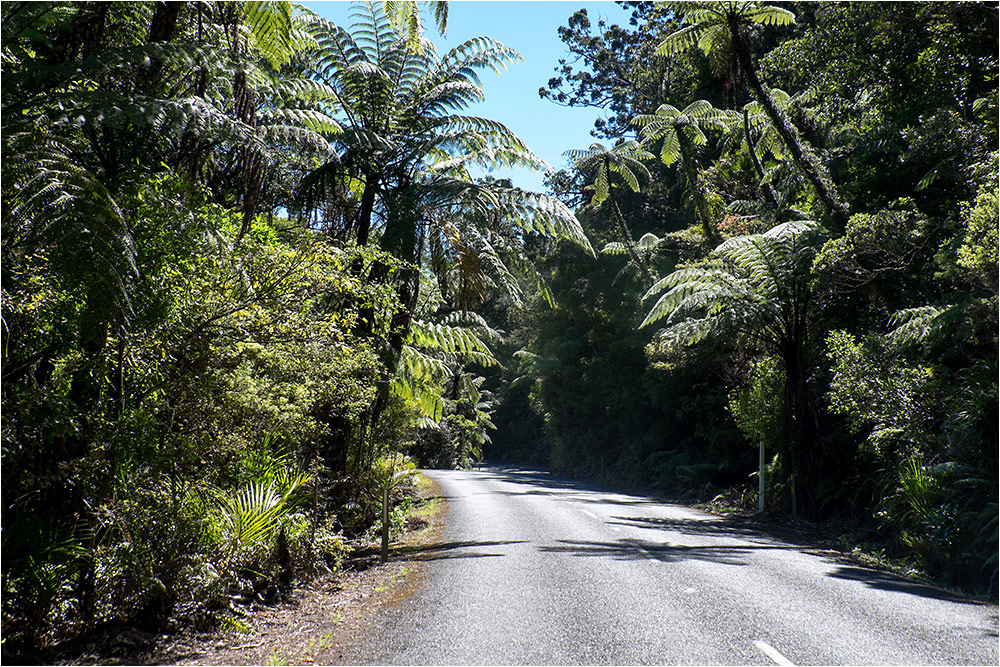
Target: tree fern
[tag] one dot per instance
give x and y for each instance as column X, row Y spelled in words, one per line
column 756, row 280
column 722, row 31
column 49, row 198
column 402, row 107
column 920, row 324
column 271, row 26
column 678, row 132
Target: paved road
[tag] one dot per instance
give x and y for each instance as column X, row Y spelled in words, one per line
column 538, row 570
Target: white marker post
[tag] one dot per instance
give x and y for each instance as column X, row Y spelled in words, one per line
column 760, row 478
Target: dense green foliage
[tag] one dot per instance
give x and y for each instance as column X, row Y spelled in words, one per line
column 811, row 190
column 249, row 280
column 241, row 252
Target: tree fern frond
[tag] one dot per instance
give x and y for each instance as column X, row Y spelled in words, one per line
column 680, row 40
column 446, row 338
column 688, row 332
column 691, row 275
column 470, row 318
column 270, row 24
column 915, row 325
column 307, row 118
column 771, row 15
column 614, row 248
column 649, row 241
column 421, row 365
column 793, row 229
column 49, row 196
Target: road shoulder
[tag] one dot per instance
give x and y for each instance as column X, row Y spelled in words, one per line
column 330, row 615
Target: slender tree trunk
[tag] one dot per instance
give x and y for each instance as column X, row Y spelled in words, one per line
column 365, row 211
column 119, row 387
column 400, row 238
column 623, row 231
column 711, row 235
column 765, row 187
column 807, row 160
column 385, row 522
column 800, row 434
column 626, row 236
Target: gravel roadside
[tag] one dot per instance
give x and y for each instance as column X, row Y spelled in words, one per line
column 325, row 617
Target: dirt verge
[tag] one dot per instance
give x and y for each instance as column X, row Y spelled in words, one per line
column 322, row 617
column 329, row 614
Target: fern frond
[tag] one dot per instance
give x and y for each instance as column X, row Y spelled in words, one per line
column 426, row 396
column 649, row 241
column 771, row 15
column 680, row 40
column 915, row 325
column 422, row 366
column 446, row 338
column 270, row 25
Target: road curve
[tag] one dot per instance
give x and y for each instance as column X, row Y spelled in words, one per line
column 538, row 570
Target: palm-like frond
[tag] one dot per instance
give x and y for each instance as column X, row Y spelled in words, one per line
column 422, row 365
column 646, row 247
column 614, row 248
column 687, row 332
column 448, row 339
column 770, row 15
column 529, row 211
column 427, row 396
column 402, row 119
column 768, row 141
column 433, row 352
column 915, row 325
column 707, row 24
column 50, row 198
column 251, row 515
column 755, row 285
column 404, row 15
column 625, row 160
column 271, row 26
column 649, row 242
column 673, row 127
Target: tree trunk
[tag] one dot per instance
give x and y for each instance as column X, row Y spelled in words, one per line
column 711, row 235
column 119, row 380
column 385, row 522
column 765, row 187
column 799, row 432
column 803, row 155
column 626, row 236
column 164, row 22
column 364, row 222
column 161, row 29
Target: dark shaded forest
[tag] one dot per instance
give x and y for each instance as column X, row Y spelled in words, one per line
column 252, row 280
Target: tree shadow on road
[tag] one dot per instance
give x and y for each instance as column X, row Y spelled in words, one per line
column 542, row 483
column 708, row 527
column 667, row 553
column 446, row 550
column 762, row 532
column 885, row 581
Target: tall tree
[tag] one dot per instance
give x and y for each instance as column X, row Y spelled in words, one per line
column 401, row 173
column 625, row 160
column 758, row 288
column 723, row 31
column 680, row 132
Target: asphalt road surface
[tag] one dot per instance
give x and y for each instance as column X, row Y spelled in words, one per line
column 537, row 570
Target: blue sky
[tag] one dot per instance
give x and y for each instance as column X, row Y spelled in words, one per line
column 531, row 28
